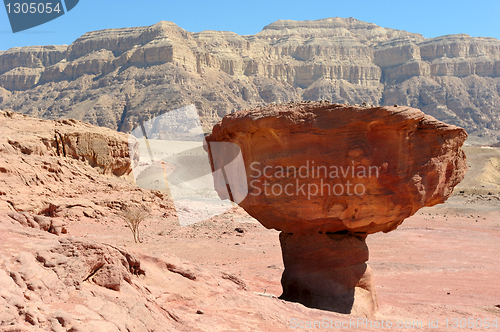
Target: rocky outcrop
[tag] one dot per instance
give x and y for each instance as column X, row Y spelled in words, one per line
column 102, row 148
column 20, row 78
column 328, row 272
column 104, row 265
column 31, row 57
column 105, row 150
column 74, row 284
column 326, row 175
column 40, row 222
column 65, row 168
column 119, row 77
column 360, row 169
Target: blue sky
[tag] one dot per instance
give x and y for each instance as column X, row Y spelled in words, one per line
column 430, row 18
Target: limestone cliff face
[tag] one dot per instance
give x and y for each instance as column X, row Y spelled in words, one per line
column 118, row 77
column 31, row 57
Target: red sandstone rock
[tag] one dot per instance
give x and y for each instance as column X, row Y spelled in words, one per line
column 315, row 168
column 329, row 272
column 349, row 168
column 53, row 169
column 102, row 148
column 72, row 284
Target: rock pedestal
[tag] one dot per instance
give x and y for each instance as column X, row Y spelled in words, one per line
column 329, row 272
column 328, row 175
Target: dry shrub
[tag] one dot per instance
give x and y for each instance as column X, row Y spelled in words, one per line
column 133, row 216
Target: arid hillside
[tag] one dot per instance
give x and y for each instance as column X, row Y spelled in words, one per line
column 118, row 78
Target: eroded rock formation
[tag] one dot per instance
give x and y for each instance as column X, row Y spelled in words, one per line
column 103, row 149
column 71, row 283
column 65, row 168
column 120, row 77
column 327, row 175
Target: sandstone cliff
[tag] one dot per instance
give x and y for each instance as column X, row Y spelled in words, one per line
column 40, row 156
column 119, row 77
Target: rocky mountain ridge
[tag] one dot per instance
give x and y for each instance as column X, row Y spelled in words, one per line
column 118, row 78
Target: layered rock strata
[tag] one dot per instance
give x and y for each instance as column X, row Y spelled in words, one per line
column 119, row 78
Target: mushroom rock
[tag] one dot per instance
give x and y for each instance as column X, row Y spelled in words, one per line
column 326, row 176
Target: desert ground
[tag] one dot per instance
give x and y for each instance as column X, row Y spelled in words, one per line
column 439, row 265
column 74, row 266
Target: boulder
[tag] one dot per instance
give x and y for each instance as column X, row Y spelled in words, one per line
column 327, row 175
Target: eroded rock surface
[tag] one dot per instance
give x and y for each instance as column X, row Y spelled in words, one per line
column 329, row 272
column 50, row 283
column 326, row 175
column 120, row 77
column 321, row 167
column 65, row 169
column 104, row 149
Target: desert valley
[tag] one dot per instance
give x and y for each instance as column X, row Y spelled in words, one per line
column 68, row 259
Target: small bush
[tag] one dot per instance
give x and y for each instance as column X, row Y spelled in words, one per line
column 133, row 216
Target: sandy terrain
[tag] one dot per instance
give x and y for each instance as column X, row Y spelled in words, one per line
column 441, row 264
column 437, row 272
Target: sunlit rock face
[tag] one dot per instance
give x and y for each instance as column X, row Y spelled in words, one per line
column 327, row 175
column 321, row 167
column 120, row 78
